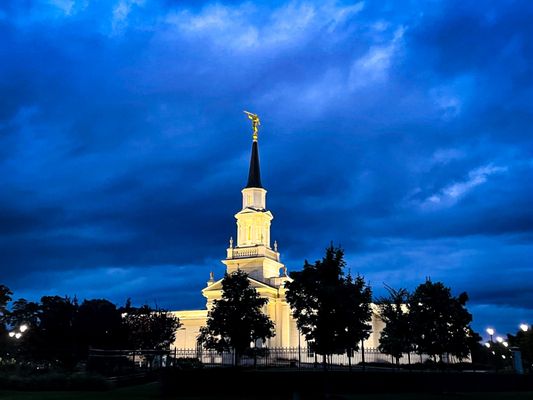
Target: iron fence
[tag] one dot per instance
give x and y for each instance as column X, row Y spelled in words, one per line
column 285, row 357
column 294, row 357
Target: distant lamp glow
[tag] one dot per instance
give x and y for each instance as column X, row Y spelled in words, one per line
column 490, row 331
column 18, row 335
column 505, row 344
column 11, row 334
column 23, row 328
column 487, row 345
column 524, row 327
column 499, row 339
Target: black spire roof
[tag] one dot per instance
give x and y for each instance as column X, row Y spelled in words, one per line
column 254, row 176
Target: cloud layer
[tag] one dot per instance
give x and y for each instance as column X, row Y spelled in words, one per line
column 402, row 132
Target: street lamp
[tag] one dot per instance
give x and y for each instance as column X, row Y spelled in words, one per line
column 524, row 327
column 499, row 339
column 490, row 331
column 487, row 345
column 505, row 344
column 17, row 333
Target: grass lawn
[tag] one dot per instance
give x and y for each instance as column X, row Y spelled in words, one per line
column 151, row 391
column 146, row 391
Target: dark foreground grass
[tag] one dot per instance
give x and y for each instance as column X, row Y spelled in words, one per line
column 152, row 391
column 138, row 392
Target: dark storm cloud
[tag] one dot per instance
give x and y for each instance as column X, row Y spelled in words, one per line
column 401, row 132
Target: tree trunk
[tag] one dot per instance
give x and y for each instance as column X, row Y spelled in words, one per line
column 349, row 360
column 363, row 353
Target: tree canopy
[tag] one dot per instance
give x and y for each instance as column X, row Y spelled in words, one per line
column 332, row 311
column 395, row 337
column 59, row 330
column 147, row 328
column 439, row 321
column 237, row 319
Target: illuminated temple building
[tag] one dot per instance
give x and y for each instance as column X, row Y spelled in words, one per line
column 253, row 254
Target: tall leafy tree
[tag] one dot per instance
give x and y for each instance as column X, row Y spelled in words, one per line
column 331, row 311
column 395, row 337
column 237, row 319
column 26, row 313
column 461, row 338
column 315, row 297
column 150, row 329
column 356, row 314
column 98, row 324
column 439, row 321
column 55, row 337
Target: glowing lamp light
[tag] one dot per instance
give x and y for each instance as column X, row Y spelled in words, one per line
column 23, row 328
column 524, row 327
column 490, row 331
column 499, row 339
column 503, row 356
column 11, row 334
column 487, row 345
column 505, row 344
column 18, row 335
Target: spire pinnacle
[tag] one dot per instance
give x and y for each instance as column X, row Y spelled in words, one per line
column 254, row 175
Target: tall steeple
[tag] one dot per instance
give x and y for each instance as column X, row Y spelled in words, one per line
column 251, row 252
column 254, row 174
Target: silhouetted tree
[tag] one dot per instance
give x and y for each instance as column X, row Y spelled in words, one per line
column 395, row 337
column 98, row 324
column 355, row 314
column 331, row 311
column 5, row 298
column 26, row 313
column 439, row 321
column 151, row 329
column 236, row 320
column 55, row 338
column 461, row 338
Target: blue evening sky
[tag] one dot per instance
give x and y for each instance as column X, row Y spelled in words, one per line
column 401, row 130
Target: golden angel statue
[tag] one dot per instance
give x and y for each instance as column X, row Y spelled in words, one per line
column 255, row 123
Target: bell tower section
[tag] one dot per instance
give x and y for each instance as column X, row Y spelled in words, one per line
column 253, row 253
